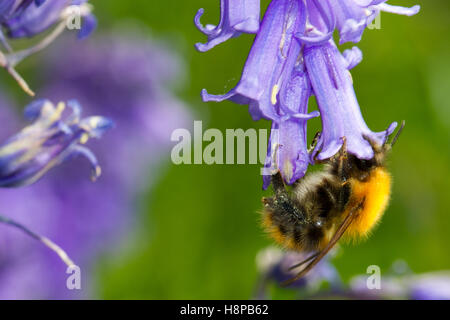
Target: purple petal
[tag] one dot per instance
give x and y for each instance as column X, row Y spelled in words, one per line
column 352, row 19
column 236, row 16
column 431, row 286
column 287, row 151
column 89, row 25
column 262, row 75
column 399, row 10
column 339, row 109
column 321, row 23
column 353, row 57
column 353, row 16
column 47, row 142
column 35, row 19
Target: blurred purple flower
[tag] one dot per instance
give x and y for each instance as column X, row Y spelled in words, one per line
column 125, row 77
column 10, row 9
column 423, row 286
column 28, row 18
column 431, row 286
column 274, row 264
column 50, row 140
column 293, row 57
column 38, row 16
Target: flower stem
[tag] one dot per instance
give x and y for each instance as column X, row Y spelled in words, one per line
column 47, row 242
column 16, row 57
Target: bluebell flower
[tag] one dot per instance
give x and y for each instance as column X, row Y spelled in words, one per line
column 87, row 219
column 28, row 18
column 50, row 140
column 274, row 266
column 236, row 17
column 10, row 9
column 40, row 15
column 340, row 113
column 431, row 286
column 293, row 57
column 353, row 16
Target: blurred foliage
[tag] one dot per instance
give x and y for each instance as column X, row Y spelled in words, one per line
column 200, row 231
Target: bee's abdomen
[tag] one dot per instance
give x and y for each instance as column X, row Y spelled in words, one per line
column 374, row 193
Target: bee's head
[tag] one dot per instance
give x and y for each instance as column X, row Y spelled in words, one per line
column 362, row 164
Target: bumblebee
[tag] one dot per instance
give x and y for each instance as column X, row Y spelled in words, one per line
column 347, row 198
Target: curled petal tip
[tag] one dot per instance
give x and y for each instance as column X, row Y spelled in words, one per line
column 415, row 9
column 237, row 16
column 353, row 57
column 96, row 126
column 331, row 149
column 383, row 136
column 391, row 128
column 399, row 10
column 96, row 173
column 202, row 47
column 206, row 97
column 197, row 22
column 89, row 25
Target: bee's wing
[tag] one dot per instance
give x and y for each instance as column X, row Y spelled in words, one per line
column 304, row 261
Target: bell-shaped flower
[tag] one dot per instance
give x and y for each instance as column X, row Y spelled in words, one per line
column 50, row 140
column 236, row 17
column 339, row 109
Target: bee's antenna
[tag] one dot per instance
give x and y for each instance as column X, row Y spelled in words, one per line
column 394, row 140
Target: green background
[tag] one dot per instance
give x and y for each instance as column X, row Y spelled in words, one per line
column 199, row 231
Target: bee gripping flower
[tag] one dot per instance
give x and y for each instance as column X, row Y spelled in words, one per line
column 340, row 113
column 55, row 136
column 293, row 57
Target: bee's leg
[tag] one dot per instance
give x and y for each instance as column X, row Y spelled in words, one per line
column 375, row 146
column 267, row 201
column 304, row 261
column 378, row 150
column 343, row 193
column 314, row 141
column 342, row 168
column 278, row 183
